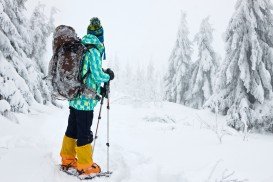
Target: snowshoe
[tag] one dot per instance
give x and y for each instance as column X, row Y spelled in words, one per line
column 74, row 172
column 69, row 170
column 92, row 176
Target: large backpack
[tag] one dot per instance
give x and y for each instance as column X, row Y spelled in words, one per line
column 65, row 67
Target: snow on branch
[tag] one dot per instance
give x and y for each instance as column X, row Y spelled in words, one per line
column 244, row 85
column 22, row 48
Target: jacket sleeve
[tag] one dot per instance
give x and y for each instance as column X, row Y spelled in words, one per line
column 96, row 68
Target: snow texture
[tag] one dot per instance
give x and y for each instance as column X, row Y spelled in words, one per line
column 148, row 144
column 4, row 106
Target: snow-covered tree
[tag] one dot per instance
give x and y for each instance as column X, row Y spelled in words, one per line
column 178, row 75
column 142, row 82
column 244, row 87
column 154, row 91
column 127, row 78
column 204, row 69
column 138, row 83
column 151, row 82
column 20, row 77
column 42, row 28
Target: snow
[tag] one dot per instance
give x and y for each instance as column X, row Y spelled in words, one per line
column 149, row 142
column 1, row 8
column 4, row 106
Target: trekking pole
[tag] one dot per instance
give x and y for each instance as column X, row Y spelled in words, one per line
column 108, row 128
column 99, row 118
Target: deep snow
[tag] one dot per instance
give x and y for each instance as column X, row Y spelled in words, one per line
column 150, row 142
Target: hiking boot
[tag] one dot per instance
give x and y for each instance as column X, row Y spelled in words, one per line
column 92, row 170
column 67, row 164
column 85, row 164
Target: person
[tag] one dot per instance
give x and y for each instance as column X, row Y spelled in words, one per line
column 76, row 151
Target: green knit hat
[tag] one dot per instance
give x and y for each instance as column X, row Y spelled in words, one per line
column 96, row 29
column 94, row 24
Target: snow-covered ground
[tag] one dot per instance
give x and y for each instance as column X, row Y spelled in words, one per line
column 150, row 142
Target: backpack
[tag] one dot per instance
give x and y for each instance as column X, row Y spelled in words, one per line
column 65, row 67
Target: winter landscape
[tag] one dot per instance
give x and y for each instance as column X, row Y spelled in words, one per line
column 192, row 98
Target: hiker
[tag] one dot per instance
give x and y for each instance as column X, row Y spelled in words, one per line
column 78, row 136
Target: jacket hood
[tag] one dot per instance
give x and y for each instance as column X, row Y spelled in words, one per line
column 93, row 40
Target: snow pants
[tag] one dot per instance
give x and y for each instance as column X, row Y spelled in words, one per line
column 79, row 126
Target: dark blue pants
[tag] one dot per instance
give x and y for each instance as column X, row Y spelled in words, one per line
column 79, row 126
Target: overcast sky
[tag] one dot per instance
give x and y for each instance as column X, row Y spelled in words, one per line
column 143, row 30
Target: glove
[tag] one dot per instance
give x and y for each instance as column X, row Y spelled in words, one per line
column 105, row 90
column 110, row 73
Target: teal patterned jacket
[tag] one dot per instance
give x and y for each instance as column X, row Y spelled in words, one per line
column 92, row 61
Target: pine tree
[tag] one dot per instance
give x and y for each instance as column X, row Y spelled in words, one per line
column 41, row 28
column 204, row 69
column 138, row 83
column 20, row 77
column 13, row 89
column 176, row 80
column 244, row 86
column 153, row 84
column 128, row 79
